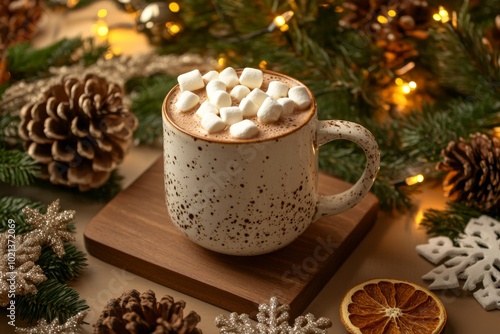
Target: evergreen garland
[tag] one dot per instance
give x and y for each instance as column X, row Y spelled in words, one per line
column 54, row 299
column 17, row 168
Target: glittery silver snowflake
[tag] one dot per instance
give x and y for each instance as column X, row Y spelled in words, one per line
column 71, row 326
column 475, row 259
column 52, row 227
column 272, row 319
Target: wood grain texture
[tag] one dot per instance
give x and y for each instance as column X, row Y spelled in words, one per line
column 134, row 232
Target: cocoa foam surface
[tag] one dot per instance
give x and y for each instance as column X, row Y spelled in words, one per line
column 190, row 123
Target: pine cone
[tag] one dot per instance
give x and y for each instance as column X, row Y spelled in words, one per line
column 78, row 131
column 142, row 313
column 473, row 171
column 18, row 20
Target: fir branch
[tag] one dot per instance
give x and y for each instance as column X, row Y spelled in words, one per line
column 65, row 268
column 53, row 300
column 8, row 129
column 451, row 221
column 461, row 61
column 148, row 95
column 17, row 168
column 26, row 62
column 424, row 134
column 11, row 208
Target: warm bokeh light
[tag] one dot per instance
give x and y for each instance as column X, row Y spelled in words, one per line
column 279, row 20
column 391, row 13
column 339, row 9
column 284, row 27
column 399, row 81
column 412, row 84
column 72, row 3
column 406, row 89
column 382, row 19
column 412, row 180
column 102, row 30
column 442, row 15
column 173, row 28
column 174, row 7
column 102, row 13
column 263, row 65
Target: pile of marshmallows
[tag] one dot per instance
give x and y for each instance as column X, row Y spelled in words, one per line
column 218, row 112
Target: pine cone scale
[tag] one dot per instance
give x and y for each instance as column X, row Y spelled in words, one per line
column 473, row 171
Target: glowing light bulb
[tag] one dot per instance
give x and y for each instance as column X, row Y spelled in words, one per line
column 406, row 88
column 174, row 7
column 412, row 84
column 102, row 30
column 442, row 15
column 279, row 20
column 436, row 17
column 412, row 180
column 391, row 13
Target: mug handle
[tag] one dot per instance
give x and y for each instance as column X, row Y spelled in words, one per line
column 337, row 129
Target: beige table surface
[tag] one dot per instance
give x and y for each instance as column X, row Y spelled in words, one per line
column 387, row 251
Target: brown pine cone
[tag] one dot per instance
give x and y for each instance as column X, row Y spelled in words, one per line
column 79, row 131
column 18, row 19
column 473, row 171
column 141, row 313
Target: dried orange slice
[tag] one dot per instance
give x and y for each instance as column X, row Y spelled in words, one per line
column 389, row 306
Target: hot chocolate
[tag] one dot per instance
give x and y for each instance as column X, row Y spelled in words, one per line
column 190, row 123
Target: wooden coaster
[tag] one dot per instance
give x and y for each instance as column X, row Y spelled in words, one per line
column 133, row 231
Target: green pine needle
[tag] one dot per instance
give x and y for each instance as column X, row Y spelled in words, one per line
column 17, row 168
column 149, row 94
column 451, row 222
column 65, row 268
column 11, row 208
column 53, row 300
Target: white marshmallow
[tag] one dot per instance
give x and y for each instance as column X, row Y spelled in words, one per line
column 229, row 77
column 220, row 98
column 251, row 77
column 257, row 96
column 231, row 115
column 215, row 85
column 277, row 89
column 190, row 81
column 270, row 111
column 248, row 108
column 239, row 92
column 245, row 129
column 212, row 123
column 288, row 105
column 187, row 100
column 207, row 107
column 300, row 96
column 210, row 75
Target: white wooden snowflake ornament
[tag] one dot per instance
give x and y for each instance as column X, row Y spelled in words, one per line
column 272, row 319
column 476, row 260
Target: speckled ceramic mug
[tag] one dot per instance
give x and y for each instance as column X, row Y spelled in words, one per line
column 250, row 197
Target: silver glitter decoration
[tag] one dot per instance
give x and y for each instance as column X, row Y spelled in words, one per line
column 17, row 266
column 117, row 69
column 272, row 319
column 51, row 228
column 71, row 326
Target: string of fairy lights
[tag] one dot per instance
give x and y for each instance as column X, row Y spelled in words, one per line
column 172, row 27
